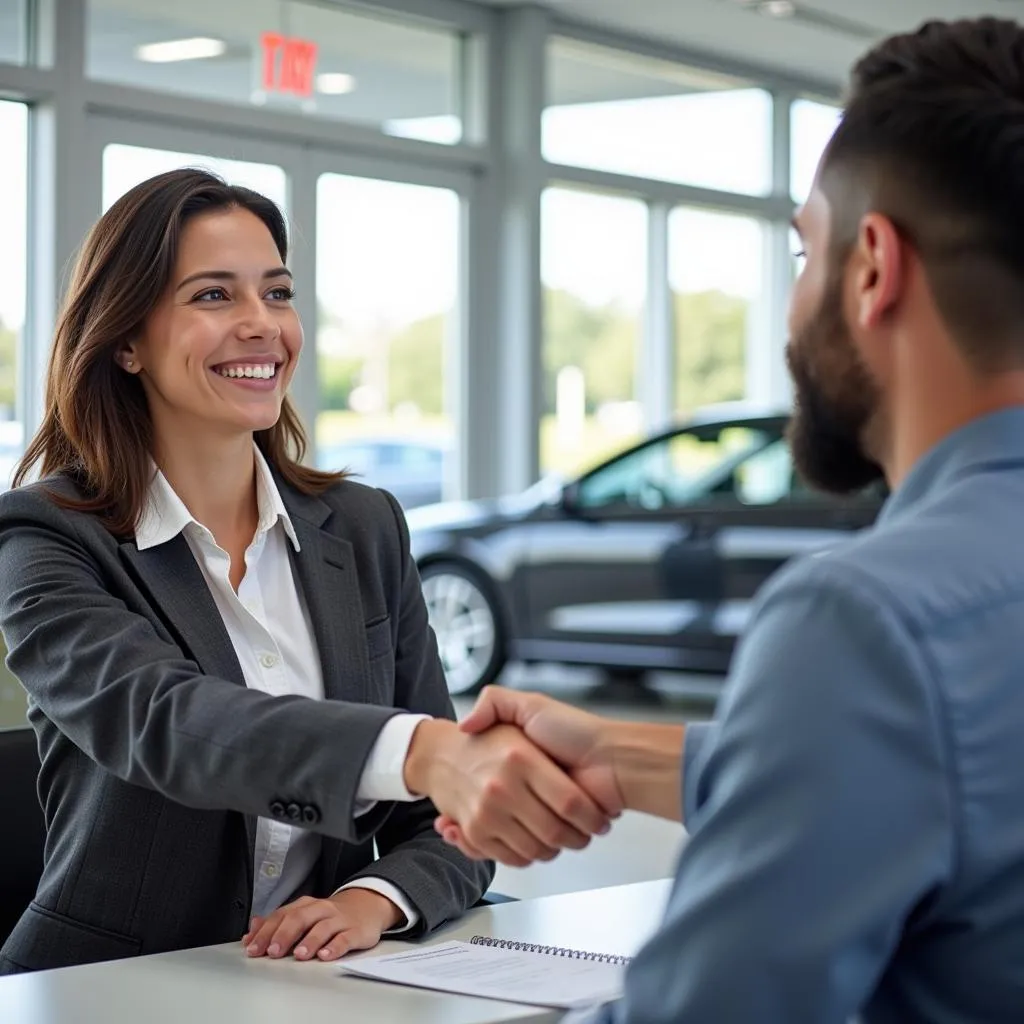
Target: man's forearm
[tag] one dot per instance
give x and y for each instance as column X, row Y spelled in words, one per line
column 648, row 764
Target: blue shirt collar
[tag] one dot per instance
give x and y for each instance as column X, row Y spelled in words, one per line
column 993, row 439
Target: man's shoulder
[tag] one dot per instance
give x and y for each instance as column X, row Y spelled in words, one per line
column 943, row 560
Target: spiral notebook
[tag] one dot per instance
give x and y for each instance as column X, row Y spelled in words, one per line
column 516, row 972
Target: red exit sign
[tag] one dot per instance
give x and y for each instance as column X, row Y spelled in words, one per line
column 289, row 64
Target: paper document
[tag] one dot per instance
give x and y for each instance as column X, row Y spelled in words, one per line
column 516, row 977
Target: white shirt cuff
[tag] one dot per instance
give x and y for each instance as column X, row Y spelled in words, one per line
column 383, row 775
column 391, row 892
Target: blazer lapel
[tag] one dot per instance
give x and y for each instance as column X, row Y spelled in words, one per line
column 175, row 584
column 326, row 571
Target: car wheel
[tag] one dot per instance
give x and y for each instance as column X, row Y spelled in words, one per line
column 465, row 619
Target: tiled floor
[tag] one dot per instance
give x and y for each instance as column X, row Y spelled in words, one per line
column 639, row 847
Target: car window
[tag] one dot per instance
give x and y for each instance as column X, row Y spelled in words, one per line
column 690, row 466
column 765, row 478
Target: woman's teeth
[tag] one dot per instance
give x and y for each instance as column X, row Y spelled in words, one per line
column 264, row 372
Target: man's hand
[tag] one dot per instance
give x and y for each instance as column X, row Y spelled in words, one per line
column 620, row 764
column 571, row 737
column 326, row 929
column 575, row 739
column 512, row 802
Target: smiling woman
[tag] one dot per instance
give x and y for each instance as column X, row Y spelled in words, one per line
column 226, row 652
column 183, row 274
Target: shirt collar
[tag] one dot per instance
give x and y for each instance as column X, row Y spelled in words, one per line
column 989, row 441
column 165, row 515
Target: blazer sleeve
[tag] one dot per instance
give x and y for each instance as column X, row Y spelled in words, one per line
column 119, row 688
column 438, row 880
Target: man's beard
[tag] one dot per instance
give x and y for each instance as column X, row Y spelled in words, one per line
column 835, row 399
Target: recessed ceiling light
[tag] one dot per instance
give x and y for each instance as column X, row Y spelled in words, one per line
column 180, row 49
column 778, row 8
column 335, row 83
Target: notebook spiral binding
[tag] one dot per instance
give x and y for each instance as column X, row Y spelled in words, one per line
column 532, row 947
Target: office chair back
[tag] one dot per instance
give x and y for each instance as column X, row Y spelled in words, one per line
column 21, row 856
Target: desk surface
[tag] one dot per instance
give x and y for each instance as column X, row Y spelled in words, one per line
column 218, row 984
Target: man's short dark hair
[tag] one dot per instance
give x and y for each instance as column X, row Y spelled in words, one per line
column 933, row 137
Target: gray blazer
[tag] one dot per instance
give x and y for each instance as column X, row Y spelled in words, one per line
column 157, row 759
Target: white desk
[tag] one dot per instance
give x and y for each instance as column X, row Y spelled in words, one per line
column 220, row 985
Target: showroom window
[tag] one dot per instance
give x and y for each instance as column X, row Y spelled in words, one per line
column 126, row 166
column 387, row 259
column 14, row 31
column 594, row 276
column 716, row 273
column 614, row 111
column 811, row 126
column 13, row 288
column 308, row 58
column 13, row 280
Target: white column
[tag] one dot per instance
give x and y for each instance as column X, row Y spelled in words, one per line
column 767, row 376
column 64, row 191
column 656, row 370
column 502, row 373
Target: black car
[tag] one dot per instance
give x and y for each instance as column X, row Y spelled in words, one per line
column 648, row 561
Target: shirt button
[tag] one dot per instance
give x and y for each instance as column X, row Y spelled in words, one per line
column 270, row 870
column 268, row 660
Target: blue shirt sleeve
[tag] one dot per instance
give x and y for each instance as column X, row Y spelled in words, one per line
column 819, row 810
column 698, row 737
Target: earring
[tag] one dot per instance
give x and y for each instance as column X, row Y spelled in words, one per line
column 131, row 362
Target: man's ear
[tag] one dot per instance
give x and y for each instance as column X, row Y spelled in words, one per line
column 881, row 274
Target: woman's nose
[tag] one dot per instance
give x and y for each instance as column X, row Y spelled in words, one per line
column 255, row 320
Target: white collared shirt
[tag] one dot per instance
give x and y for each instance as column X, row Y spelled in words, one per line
column 269, row 627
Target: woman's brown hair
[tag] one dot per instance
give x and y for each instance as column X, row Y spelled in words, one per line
column 96, row 427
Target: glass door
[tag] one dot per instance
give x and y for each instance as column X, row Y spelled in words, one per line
column 389, row 337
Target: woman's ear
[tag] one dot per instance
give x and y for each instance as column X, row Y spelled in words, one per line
column 127, row 361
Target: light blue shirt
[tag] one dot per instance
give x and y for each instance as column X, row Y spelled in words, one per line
column 856, row 809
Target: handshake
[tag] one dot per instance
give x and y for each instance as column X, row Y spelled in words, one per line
column 524, row 776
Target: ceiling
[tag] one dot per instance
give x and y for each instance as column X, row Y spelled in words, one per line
column 819, row 42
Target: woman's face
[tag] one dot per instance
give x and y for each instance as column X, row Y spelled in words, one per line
column 219, row 349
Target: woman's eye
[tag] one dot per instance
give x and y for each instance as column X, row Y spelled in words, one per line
column 281, row 294
column 211, row 295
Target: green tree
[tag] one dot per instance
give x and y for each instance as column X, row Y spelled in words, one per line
column 711, row 333
column 8, row 366
column 710, row 328
column 416, row 365
column 601, row 340
column 338, row 376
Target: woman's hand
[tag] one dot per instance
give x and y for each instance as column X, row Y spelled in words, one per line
column 326, row 929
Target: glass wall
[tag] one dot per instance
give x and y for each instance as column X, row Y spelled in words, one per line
column 13, row 263
column 716, row 272
column 386, row 288
column 308, row 58
column 126, row 166
column 811, row 126
column 13, row 31
column 614, row 111
column 594, row 276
